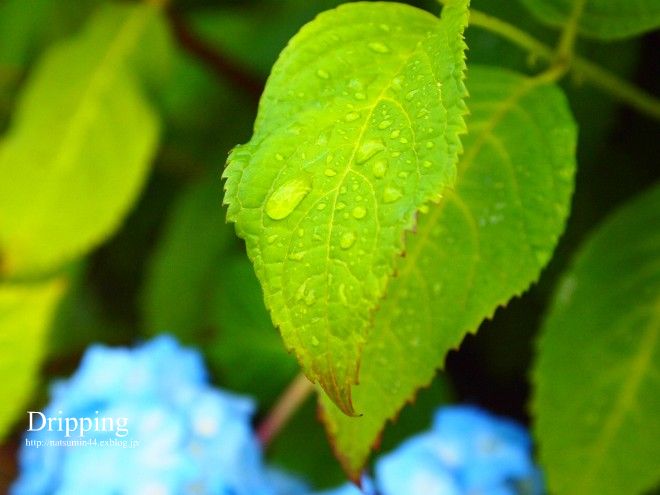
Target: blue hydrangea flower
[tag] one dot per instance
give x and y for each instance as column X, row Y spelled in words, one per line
column 466, row 452
column 181, row 435
column 367, row 488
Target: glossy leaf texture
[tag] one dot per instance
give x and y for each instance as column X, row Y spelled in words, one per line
column 597, row 373
column 79, row 146
column 358, row 127
column 26, row 312
column 485, row 243
column 600, row 19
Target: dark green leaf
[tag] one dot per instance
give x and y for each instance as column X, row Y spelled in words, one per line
column 597, row 375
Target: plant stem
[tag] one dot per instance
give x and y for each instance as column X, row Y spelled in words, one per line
column 596, row 75
column 219, row 64
column 511, row 33
column 567, row 41
column 288, row 403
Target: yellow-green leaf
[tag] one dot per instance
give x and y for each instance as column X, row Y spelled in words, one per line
column 358, row 127
column 79, row 146
column 597, row 375
column 486, row 242
column 26, row 312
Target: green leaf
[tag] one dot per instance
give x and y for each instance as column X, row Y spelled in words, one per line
column 601, row 19
column 246, row 350
column 182, row 271
column 25, row 315
column 486, row 242
column 80, row 145
column 597, row 374
column 358, row 127
column 24, row 31
column 232, row 29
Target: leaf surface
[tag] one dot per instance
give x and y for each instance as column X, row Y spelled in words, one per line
column 486, row 242
column 182, row 271
column 25, row 315
column 597, row 374
column 358, row 127
column 601, row 19
column 246, row 349
column 79, row 147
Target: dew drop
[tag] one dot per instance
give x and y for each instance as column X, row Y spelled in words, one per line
column 426, row 164
column 287, row 197
column 390, row 195
column 395, row 133
column 411, row 94
column 315, row 341
column 347, row 240
column 367, row 150
column 379, row 47
column 322, row 74
column 279, row 157
column 430, row 144
column 329, row 172
column 342, row 294
column 359, row 212
column 296, row 256
column 350, row 117
column 360, row 96
column 321, row 206
column 379, row 169
column 341, row 206
column 272, row 238
column 385, row 124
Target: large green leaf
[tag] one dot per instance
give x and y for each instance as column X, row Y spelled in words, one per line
column 79, row 146
column 245, row 349
column 231, row 29
column 182, row 272
column 597, row 376
column 601, row 19
column 484, row 243
column 358, row 128
column 25, row 315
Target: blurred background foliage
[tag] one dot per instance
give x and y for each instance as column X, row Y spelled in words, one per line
column 175, row 266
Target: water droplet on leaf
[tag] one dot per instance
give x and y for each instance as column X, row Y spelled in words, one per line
column 359, row 212
column 367, row 150
column 379, row 169
column 390, row 195
column 347, row 240
column 287, row 197
column 378, row 47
